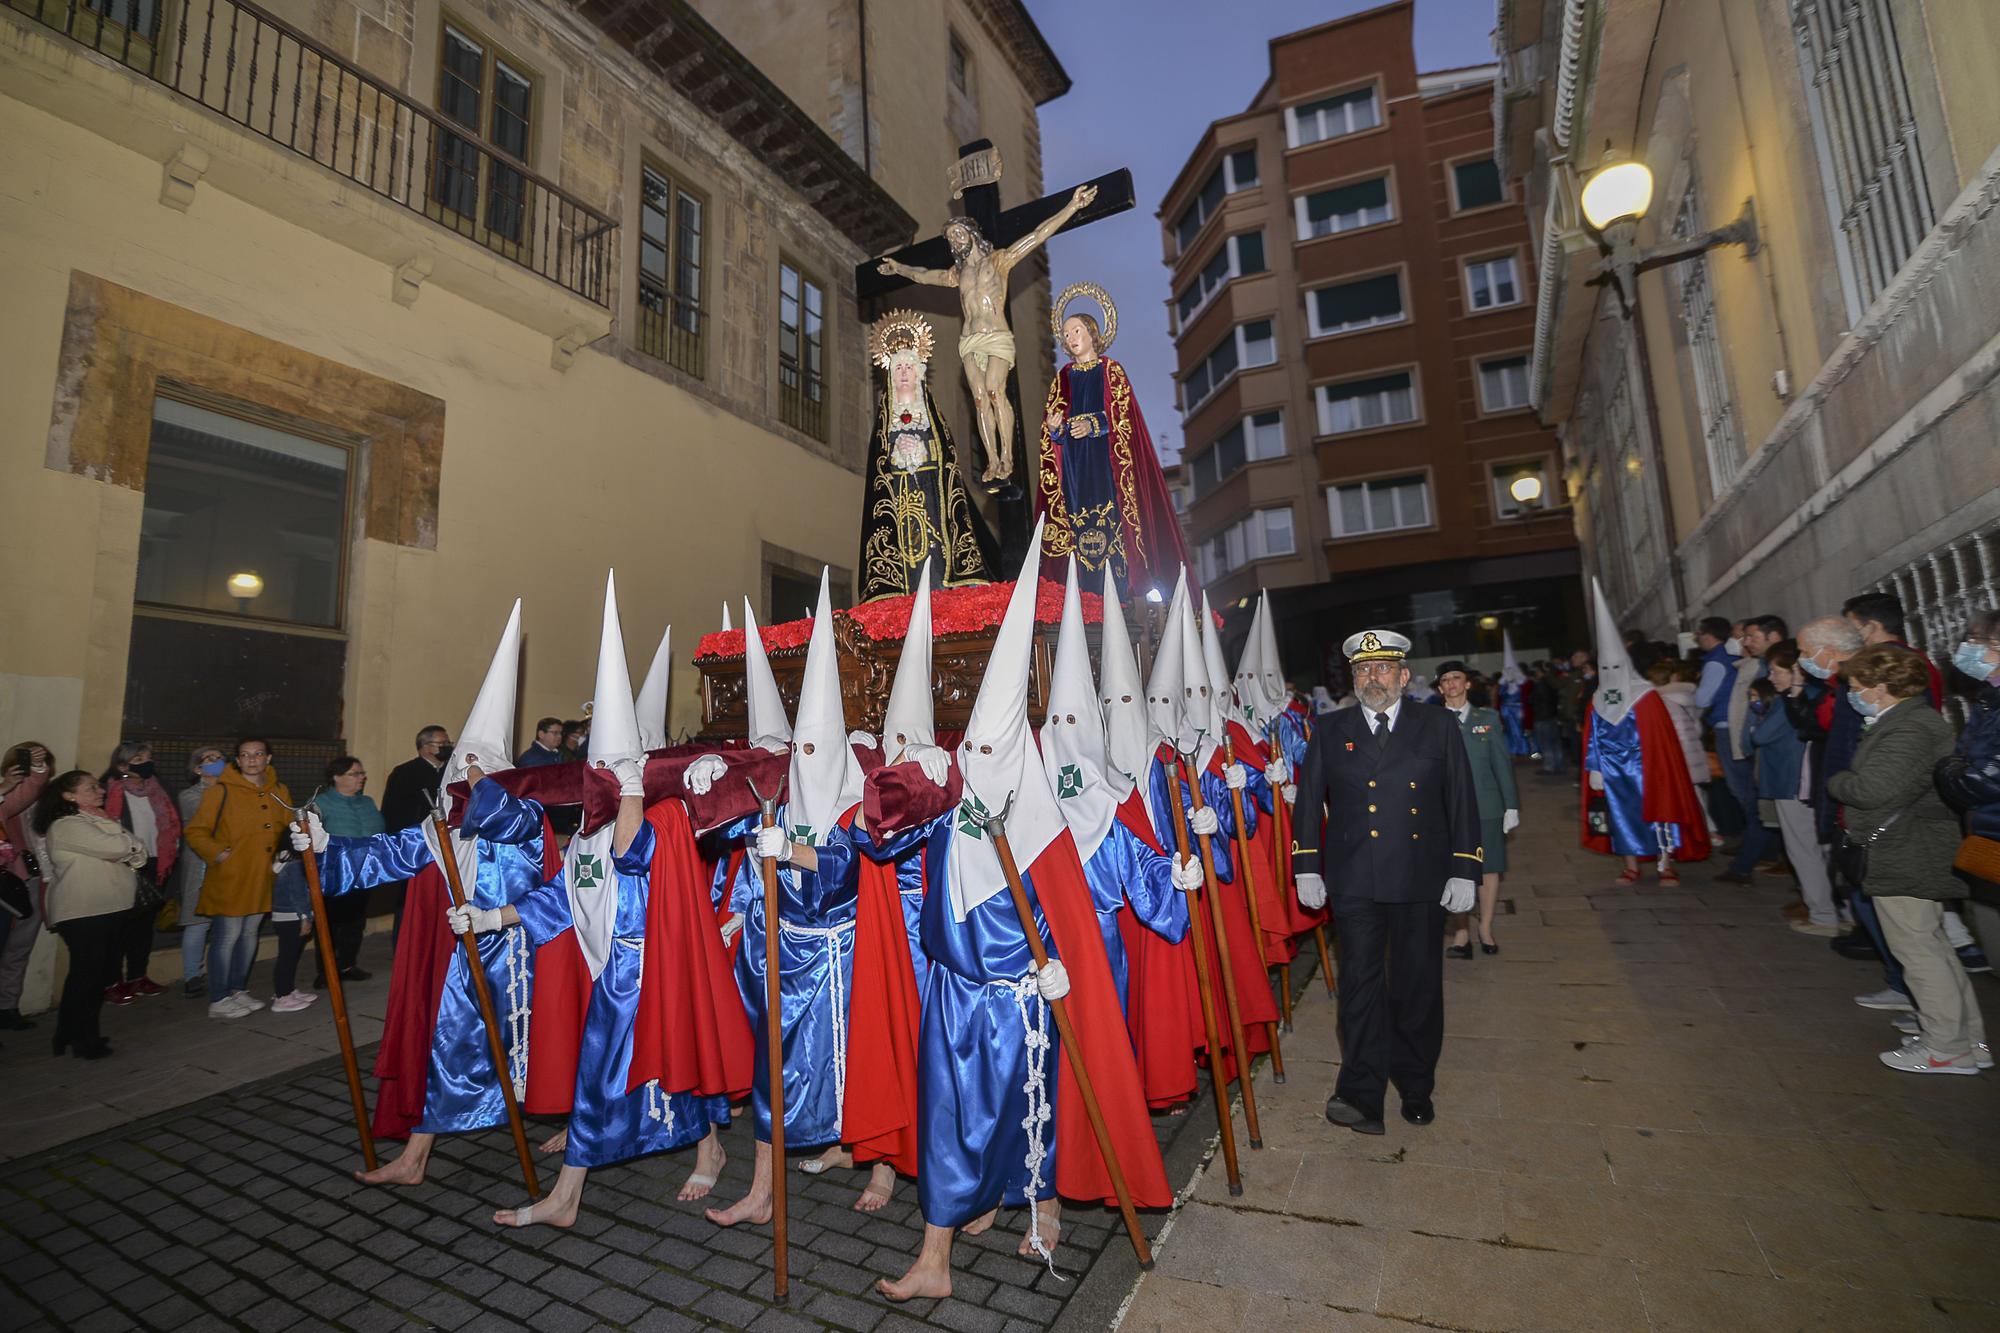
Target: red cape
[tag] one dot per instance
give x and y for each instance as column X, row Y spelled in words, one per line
column 1162, row 1007
column 1281, row 926
column 1154, row 552
column 878, row 1121
column 691, row 1032
column 1669, row 796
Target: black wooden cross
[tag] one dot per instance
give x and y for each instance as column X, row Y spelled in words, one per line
column 1001, row 227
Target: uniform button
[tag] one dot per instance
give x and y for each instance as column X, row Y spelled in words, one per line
column 1413, row 786
column 1413, row 837
column 1374, row 833
column 1371, row 809
column 1371, row 782
column 267, row 825
column 1413, row 809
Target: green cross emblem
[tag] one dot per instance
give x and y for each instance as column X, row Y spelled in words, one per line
column 1069, row 782
column 972, row 814
column 802, row 833
column 589, row 870
column 1614, row 697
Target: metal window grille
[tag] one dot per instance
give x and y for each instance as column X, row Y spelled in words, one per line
column 1865, row 134
column 1711, row 373
column 1943, row 591
column 1634, row 505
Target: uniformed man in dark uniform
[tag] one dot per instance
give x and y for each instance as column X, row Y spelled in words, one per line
column 1387, row 828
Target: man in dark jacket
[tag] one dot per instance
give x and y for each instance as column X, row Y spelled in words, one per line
column 546, row 748
column 407, row 798
column 1390, row 876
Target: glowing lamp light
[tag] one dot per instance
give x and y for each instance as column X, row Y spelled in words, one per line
column 245, row 585
column 1489, row 622
column 1526, row 489
column 1618, row 193
column 1153, row 595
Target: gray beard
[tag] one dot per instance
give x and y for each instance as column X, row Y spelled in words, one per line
column 1376, row 698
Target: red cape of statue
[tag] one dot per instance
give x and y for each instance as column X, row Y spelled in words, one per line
column 690, row 1032
column 1154, row 552
column 1668, row 796
column 416, row 989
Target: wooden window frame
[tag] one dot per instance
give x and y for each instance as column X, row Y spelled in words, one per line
column 478, row 226
column 810, row 417
column 676, row 347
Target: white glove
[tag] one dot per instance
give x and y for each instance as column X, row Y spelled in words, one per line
column 1458, row 895
column 1291, row 793
column 1510, row 821
column 1277, row 772
column 865, row 739
column 773, row 844
column 1596, row 780
column 930, row 758
column 1312, row 892
column 1052, row 979
column 1236, row 776
column 311, row 838
column 700, row 775
column 478, row 920
column 732, row 928
column 631, row 774
column 1204, row 822
column 1187, row 873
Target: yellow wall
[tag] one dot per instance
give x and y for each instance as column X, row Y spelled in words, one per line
column 1964, row 37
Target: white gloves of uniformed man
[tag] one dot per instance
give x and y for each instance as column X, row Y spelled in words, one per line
column 1236, row 776
column 1187, row 873
column 630, row 770
column 1204, row 822
column 930, row 758
column 1510, row 821
column 1052, row 980
column 772, row 844
column 478, row 920
column 1277, row 772
column 312, row 838
column 731, row 928
column 700, row 775
column 1458, row 895
column 1596, row 780
column 1312, row 892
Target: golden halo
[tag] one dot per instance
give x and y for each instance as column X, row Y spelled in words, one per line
column 897, row 331
column 1060, row 311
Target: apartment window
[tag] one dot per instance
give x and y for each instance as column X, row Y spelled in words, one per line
column 960, row 68
column 1237, row 257
column 1387, row 504
column 1711, row 374
column 1491, row 283
column 671, row 223
column 1503, row 384
column 492, row 98
column 1250, row 440
column 242, row 519
column 1361, row 304
column 1507, row 475
column 1332, row 117
column 1476, row 184
column 1246, row 347
column 1367, row 404
column 1343, row 208
column 1865, row 134
column 801, row 351
column 1237, row 171
column 1259, row 535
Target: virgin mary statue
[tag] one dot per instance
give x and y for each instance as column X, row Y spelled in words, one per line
column 917, row 509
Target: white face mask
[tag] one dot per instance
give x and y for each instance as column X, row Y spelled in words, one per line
column 1734, row 647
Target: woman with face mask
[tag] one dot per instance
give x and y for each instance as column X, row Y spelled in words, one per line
column 1969, row 779
column 134, row 797
column 205, row 765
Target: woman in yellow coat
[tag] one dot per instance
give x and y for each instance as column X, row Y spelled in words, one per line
column 237, row 829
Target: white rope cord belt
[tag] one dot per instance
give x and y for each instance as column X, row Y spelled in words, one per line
column 829, row 936
column 1035, row 1032
column 520, row 988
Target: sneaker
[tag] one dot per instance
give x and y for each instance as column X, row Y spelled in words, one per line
column 119, row 993
column 226, row 1007
column 1826, row 931
column 1982, row 1055
column 1973, row 959
column 195, row 986
column 352, row 973
column 1906, row 1023
column 292, row 1003
column 146, row 986
column 1913, row 1057
column 1886, row 998
column 250, row 1003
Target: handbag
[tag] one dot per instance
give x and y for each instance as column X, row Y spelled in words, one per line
column 1850, row 854
column 147, row 892
column 1979, row 857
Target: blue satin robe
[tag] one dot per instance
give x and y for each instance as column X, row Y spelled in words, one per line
column 606, row 1123
column 1511, row 713
column 812, row 972
column 1617, row 754
column 1214, row 793
column 1289, row 729
column 1125, row 870
column 461, row 1093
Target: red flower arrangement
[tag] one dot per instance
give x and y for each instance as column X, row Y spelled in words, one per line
column 953, row 611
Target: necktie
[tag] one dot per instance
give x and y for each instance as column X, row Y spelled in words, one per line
column 1381, row 730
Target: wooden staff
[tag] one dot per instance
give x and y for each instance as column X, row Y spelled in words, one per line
column 1249, row 879
column 337, row 994
column 1236, row 1031
column 1284, row 810
column 996, row 826
column 1216, row 1080
column 470, row 943
column 774, row 1052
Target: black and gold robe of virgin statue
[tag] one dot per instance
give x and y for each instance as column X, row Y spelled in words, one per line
column 916, row 505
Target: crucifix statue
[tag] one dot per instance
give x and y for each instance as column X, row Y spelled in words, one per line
column 976, row 253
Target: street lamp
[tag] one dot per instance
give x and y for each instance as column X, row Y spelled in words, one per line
column 244, row 586
column 1616, row 197
column 1526, row 489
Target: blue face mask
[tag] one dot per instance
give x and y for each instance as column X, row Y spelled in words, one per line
column 212, row 769
column 1971, row 659
column 1861, row 705
column 1814, row 669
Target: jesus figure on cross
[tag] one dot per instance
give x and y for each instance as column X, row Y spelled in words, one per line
column 985, row 343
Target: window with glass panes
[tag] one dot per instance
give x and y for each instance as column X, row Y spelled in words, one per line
column 1331, row 117
column 1247, row 346
column 1237, row 171
column 492, row 98
column 1365, row 404
column 1477, row 184
column 671, row 225
column 1343, row 208
column 1259, row 535
column 1360, row 304
column 801, row 350
column 1386, row 504
column 1503, row 384
column 1491, row 283
column 1250, row 440
column 1238, row 256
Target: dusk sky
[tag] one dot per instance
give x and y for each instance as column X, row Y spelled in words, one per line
column 1149, row 77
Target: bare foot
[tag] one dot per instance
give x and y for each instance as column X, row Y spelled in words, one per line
column 881, row 1185
column 754, row 1207
column 923, row 1280
column 1050, row 1211
column 709, row 1159
column 551, row 1211
column 837, row 1155
column 407, row 1169
column 555, row 1143
column 983, row 1222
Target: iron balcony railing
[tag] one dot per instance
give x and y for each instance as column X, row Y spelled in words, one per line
column 261, row 73
column 671, row 328
column 801, row 399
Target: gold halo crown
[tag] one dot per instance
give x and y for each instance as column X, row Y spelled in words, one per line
column 1060, row 311
column 900, row 331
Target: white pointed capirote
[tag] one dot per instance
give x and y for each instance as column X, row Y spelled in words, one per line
column 825, row 776
column 998, row 759
column 1125, row 730
column 1510, row 666
column 1073, row 752
column 488, row 733
column 1618, row 685
column 652, row 701
column 614, row 734
column 1277, row 693
column 726, row 626
column 1200, row 727
column 1223, row 708
column 1249, row 678
column 764, row 710
column 1164, row 699
column 614, row 724
column 908, row 719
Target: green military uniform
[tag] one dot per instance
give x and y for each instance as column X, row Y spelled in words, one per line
column 1492, row 781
